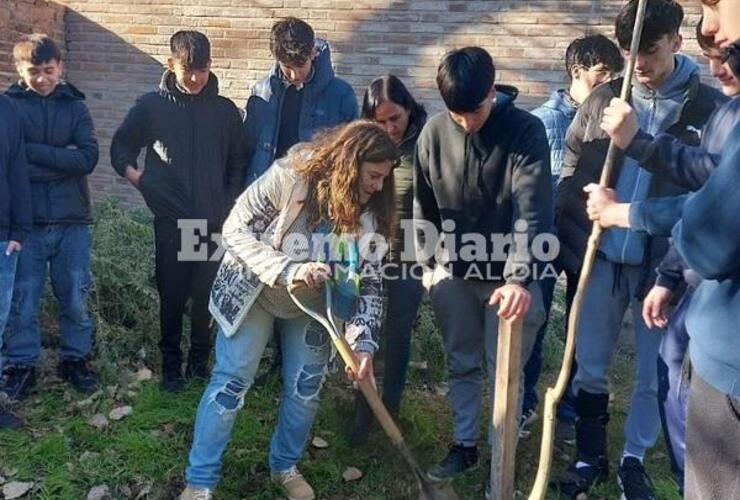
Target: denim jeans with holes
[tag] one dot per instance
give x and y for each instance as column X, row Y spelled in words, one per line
column 61, row 251
column 306, row 348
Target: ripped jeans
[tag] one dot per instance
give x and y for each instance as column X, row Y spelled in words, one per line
column 306, row 349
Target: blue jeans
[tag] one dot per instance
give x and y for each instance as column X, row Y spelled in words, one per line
column 673, row 387
column 306, row 348
column 63, row 251
column 7, row 277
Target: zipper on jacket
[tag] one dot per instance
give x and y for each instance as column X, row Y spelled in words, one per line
column 276, row 130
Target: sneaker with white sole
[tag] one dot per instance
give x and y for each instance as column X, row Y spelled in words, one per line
column 196, row 494
column 294, row 486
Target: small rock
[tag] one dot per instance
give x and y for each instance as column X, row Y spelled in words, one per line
column 352, row 474
column 111, row 390
column 98, row 421
column 2, row 480
column 144, row 374
column 16, row 489
column 581, row 496
column 120, row 412
column 319, row 443
column 141, row 353
column 419, row 365
column 126, row 491
column 99, row 493
column 442, row 389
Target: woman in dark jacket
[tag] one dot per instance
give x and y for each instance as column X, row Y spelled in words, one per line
column 388, row 102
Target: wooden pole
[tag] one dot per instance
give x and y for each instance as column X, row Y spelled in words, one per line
column 554, row 394
column 506, row 409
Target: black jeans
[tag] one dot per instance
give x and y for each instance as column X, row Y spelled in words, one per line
column 177, row 281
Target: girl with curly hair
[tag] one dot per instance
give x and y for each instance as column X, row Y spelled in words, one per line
column 339, row 188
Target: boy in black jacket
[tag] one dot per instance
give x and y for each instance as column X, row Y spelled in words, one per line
column 15, row 216
column 196, row 157
column 62, row 151
column 481, row 172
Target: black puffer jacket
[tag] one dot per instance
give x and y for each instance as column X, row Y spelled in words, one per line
column 15, row 191
column 62, row 151
column 196, row 151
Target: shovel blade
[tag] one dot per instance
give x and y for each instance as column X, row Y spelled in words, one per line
column 434, row 491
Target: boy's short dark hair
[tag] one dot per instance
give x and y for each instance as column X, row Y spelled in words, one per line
column 291, row 41
column 591, row 50
column 662, row 17
column 465, row 77
column 191, row 49
column 36, row 49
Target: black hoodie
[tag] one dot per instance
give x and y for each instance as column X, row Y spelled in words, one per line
column 62, row 151
column 484, row 182
column 196, row 151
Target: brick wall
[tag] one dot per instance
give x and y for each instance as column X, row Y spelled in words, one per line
column 117, row 47
column 20, row 17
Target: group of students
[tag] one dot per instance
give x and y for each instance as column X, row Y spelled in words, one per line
column 298, row 164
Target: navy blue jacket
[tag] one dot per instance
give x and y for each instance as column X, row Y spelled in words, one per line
column 688, row 166
column 705, row 227
column 15, row 191
column 62, row 151
column 196, row 152
column 327, row 102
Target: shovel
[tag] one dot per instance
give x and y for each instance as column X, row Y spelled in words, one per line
column 428, row 490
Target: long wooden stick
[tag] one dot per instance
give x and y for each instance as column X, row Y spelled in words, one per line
column 554, row 394
column 506, row 408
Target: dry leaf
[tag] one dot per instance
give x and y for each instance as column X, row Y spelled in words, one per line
column 352, row 474
column 16, row 489
column 98, row 421
column 120, row 412
column 99, row 493
column 144, row 374
column 419, row 365
column 319, row 443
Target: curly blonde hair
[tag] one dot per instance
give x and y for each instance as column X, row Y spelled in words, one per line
column 331, row 165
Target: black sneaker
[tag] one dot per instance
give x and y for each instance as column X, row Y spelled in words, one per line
column 79, row 375
column 459, row 459
column 577, row 480
column 9, row 421
column 565, row 432
column 17, row 381
column 172, row 381
column 634, row 481
column 525, row 421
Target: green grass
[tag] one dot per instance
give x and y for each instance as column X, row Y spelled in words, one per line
column 65, row 457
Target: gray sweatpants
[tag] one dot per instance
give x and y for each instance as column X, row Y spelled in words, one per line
column 610, row 293
column 470, row 333
column 712, row 443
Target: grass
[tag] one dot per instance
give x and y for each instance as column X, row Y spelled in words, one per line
column 146, row 453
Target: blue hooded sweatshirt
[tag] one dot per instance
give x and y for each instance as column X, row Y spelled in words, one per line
column 657, row 110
